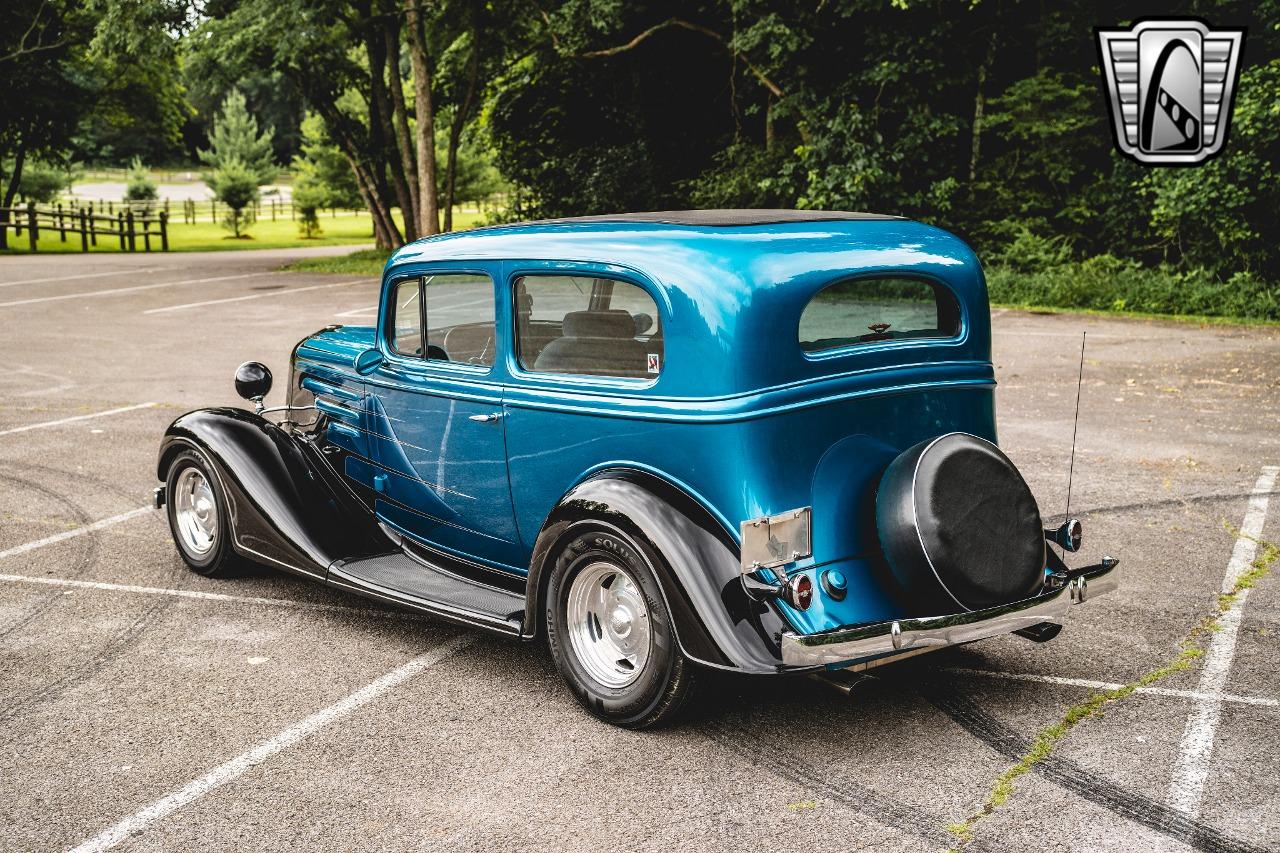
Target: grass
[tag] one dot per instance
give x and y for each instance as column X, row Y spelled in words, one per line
column 362, row 262
column 1046, row 740
column 343, row 229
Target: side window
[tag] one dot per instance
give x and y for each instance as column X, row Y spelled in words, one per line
column 460, row 318
column 865, row 310
column 587, row 326
column 406, row 330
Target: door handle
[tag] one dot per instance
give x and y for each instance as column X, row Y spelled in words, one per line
column 485, row 419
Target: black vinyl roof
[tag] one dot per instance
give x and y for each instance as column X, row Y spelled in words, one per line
column 726, row 217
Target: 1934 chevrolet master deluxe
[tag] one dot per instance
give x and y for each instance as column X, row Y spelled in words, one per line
column 760, row 441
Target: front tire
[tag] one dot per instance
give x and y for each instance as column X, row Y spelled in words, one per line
column 198, row 517
column 611, row 634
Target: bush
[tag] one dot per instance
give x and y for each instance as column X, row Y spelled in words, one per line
column 1108, row 283
column 236, row 186
column 1022, row 249
column 140, row 186
column 42, row 182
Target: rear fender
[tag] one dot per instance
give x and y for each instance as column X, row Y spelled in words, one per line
column 287, row 506
column 697, row 563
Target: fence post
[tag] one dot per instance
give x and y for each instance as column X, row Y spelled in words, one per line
column 62, row 224
column 111, row 207
column 93, row 226
column 84, row 232
column 32, row 226
column 146, row 233
column 164, row 231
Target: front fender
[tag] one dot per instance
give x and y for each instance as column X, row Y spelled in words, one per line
column 696, row 560
column 287, row 506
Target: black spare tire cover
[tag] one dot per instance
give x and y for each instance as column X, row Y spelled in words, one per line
column 959, row 527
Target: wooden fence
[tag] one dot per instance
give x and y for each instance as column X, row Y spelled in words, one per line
column 205, row 210
column 126, row 226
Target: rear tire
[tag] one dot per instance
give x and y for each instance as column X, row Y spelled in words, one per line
column 198, row 517
column 611, row 634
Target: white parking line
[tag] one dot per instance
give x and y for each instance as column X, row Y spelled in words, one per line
column 71, row 534
column 254, row 296
column 213, row 596
column 1108, row 685
column 359, row 312
column 1186, row 790
column 62, row 421
column 88, row 294
column 125, row 271
column 241, row 764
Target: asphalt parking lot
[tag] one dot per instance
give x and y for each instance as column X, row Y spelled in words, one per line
column 147, row 707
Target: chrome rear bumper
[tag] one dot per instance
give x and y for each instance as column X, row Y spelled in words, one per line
column 843, row 645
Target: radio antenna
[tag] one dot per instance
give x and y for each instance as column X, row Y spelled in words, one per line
column 1075, row 426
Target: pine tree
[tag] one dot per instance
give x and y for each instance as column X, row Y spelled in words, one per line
column 235, row 137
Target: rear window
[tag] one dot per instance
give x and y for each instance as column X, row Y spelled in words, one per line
column 586, row 326
column 869, row 310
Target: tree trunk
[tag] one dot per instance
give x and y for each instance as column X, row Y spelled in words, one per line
column 380, row 125
column 979, row 104
column 380, row 236
column 10, row 192
column 428, row 211
column 400, row 115
column 460, row 116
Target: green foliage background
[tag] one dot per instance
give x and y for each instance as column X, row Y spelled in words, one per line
column 987, row 118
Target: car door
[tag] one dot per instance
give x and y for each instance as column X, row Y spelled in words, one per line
column 436, row 428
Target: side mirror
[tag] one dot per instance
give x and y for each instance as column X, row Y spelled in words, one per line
column 368, row 361
column 253, row 381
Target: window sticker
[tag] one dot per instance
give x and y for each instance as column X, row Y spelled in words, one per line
column 653, row 365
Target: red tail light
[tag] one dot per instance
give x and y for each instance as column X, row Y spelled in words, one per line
column 800, row 592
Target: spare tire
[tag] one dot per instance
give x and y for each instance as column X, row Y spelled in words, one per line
column 959, row 527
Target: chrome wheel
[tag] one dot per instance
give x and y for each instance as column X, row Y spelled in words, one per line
column 608, row 623
column 195, row 512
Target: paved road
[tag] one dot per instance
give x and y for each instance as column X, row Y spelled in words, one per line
column 266, row 713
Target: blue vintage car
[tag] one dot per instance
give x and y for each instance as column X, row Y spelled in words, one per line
column 758, row 441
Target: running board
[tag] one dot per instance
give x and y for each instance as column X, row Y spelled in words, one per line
column 421, row 585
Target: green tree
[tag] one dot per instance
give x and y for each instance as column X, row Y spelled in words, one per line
column 321, row 169
column 235, row 184
column 235, row 138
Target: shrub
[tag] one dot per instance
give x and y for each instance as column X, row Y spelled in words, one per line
column 1108, row 283
column 42, row 182
column 140, row 186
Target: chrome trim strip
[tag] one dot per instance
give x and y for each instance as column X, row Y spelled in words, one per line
column 382, row 467
column 863, row 641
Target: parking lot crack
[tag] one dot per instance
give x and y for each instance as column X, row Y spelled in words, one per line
column 1190, row 649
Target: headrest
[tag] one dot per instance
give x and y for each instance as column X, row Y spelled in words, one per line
column 614, row 324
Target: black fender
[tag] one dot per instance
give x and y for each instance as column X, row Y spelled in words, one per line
column 287, row 505
column 697, row 563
